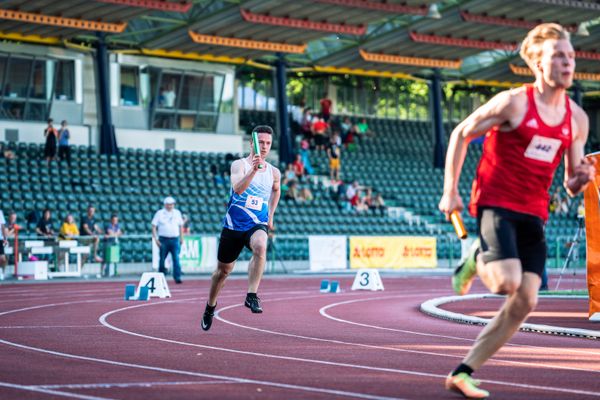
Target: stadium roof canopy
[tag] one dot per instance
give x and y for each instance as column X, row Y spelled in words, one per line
column 474, row 40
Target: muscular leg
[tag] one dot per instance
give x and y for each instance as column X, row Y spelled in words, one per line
column 500, row 277
column 258, row 244
column 218, row 281
column 519, row 303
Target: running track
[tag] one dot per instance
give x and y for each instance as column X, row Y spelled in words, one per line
column 81, row 340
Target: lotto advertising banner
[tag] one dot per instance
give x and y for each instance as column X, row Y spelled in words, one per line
column 197, row 254
column 592, row 235
column 327, row 252
column 393, row 252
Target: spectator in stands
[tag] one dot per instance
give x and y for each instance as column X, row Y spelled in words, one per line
column 289, row 175
column 32, row 218
column 44, row 226
column 355, row 201
column 91, row 230
column 378, row 204
column 167, row 232
column 345, row 128
column 64, row 150
column 299, row 167
column 112, row 233
column 351, row 190
column 306, row 123
column 68, row 229
column 3, row 244
column 319, row 129
column 554, row 205
column 368, row 197
column 187, row 225
column 363, row 130
column 168, row 95
column 6, row 152
column 305, row 153
column 51, row 136
column 305, row 195
column 112, row 230
column 581, row 210
column 326, row 105
column 217, row 177
column 11, row 226
column 565, row 205
column 334, row 153
column 292, row 192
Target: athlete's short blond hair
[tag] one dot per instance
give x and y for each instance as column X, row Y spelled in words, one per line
column 531, row 48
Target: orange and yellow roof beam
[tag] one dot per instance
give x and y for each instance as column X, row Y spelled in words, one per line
column 582, row 76
column 246, row 43
column 364, row 72
column 376, row 6
column 192, row 56
column 472, row 43
column 413, row 61
column 180, row 6
column 41, row 19
column 19, row 37
column 484, row 44
column 502, row 21
column 302, row 23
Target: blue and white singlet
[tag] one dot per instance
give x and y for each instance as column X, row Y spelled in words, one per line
column 251, row 208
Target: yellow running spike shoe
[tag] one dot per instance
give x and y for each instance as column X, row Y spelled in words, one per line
column 464, row 384
column 463, row 276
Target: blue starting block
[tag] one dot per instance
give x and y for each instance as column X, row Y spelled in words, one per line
column 144, row 293
column 130, row 293
column 324, row 286
column 334, row 287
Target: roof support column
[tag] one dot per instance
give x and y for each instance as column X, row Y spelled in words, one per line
column 108, row 141
column 435, row 90
column 286, row 153
column 578, row 93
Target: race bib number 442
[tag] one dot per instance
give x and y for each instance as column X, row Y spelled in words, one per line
column 254, row 203
column 542, row 148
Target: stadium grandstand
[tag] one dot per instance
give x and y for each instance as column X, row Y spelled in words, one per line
column 105, row 67
column 159, row 97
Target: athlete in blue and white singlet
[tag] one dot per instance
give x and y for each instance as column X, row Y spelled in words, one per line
column 254, row 197
column 251, row 208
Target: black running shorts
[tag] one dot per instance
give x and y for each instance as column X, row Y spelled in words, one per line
column 1, row 247
column 232, row 243
column 509, row 234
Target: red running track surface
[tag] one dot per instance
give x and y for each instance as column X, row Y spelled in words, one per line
column 81, row 340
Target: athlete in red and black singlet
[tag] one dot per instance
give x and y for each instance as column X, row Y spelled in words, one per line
column 517, row 167
column 510, row 192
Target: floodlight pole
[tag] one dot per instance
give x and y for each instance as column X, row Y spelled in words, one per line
column 108, row 141
column 286, row 153
column 437, row 116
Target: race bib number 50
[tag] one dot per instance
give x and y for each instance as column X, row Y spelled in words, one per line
column 542, row 148
column 254, row 203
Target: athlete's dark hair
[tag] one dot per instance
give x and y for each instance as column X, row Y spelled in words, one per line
column 263, row 129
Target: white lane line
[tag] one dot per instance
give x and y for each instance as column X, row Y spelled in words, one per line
column 49, row 326
column 49, row 391
column 103, row 321
column 332, row 363
column 197, row 374
column 183, row 372
column 130, row 384
column 426, row 353
column 48, row 305
column 323, row 312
